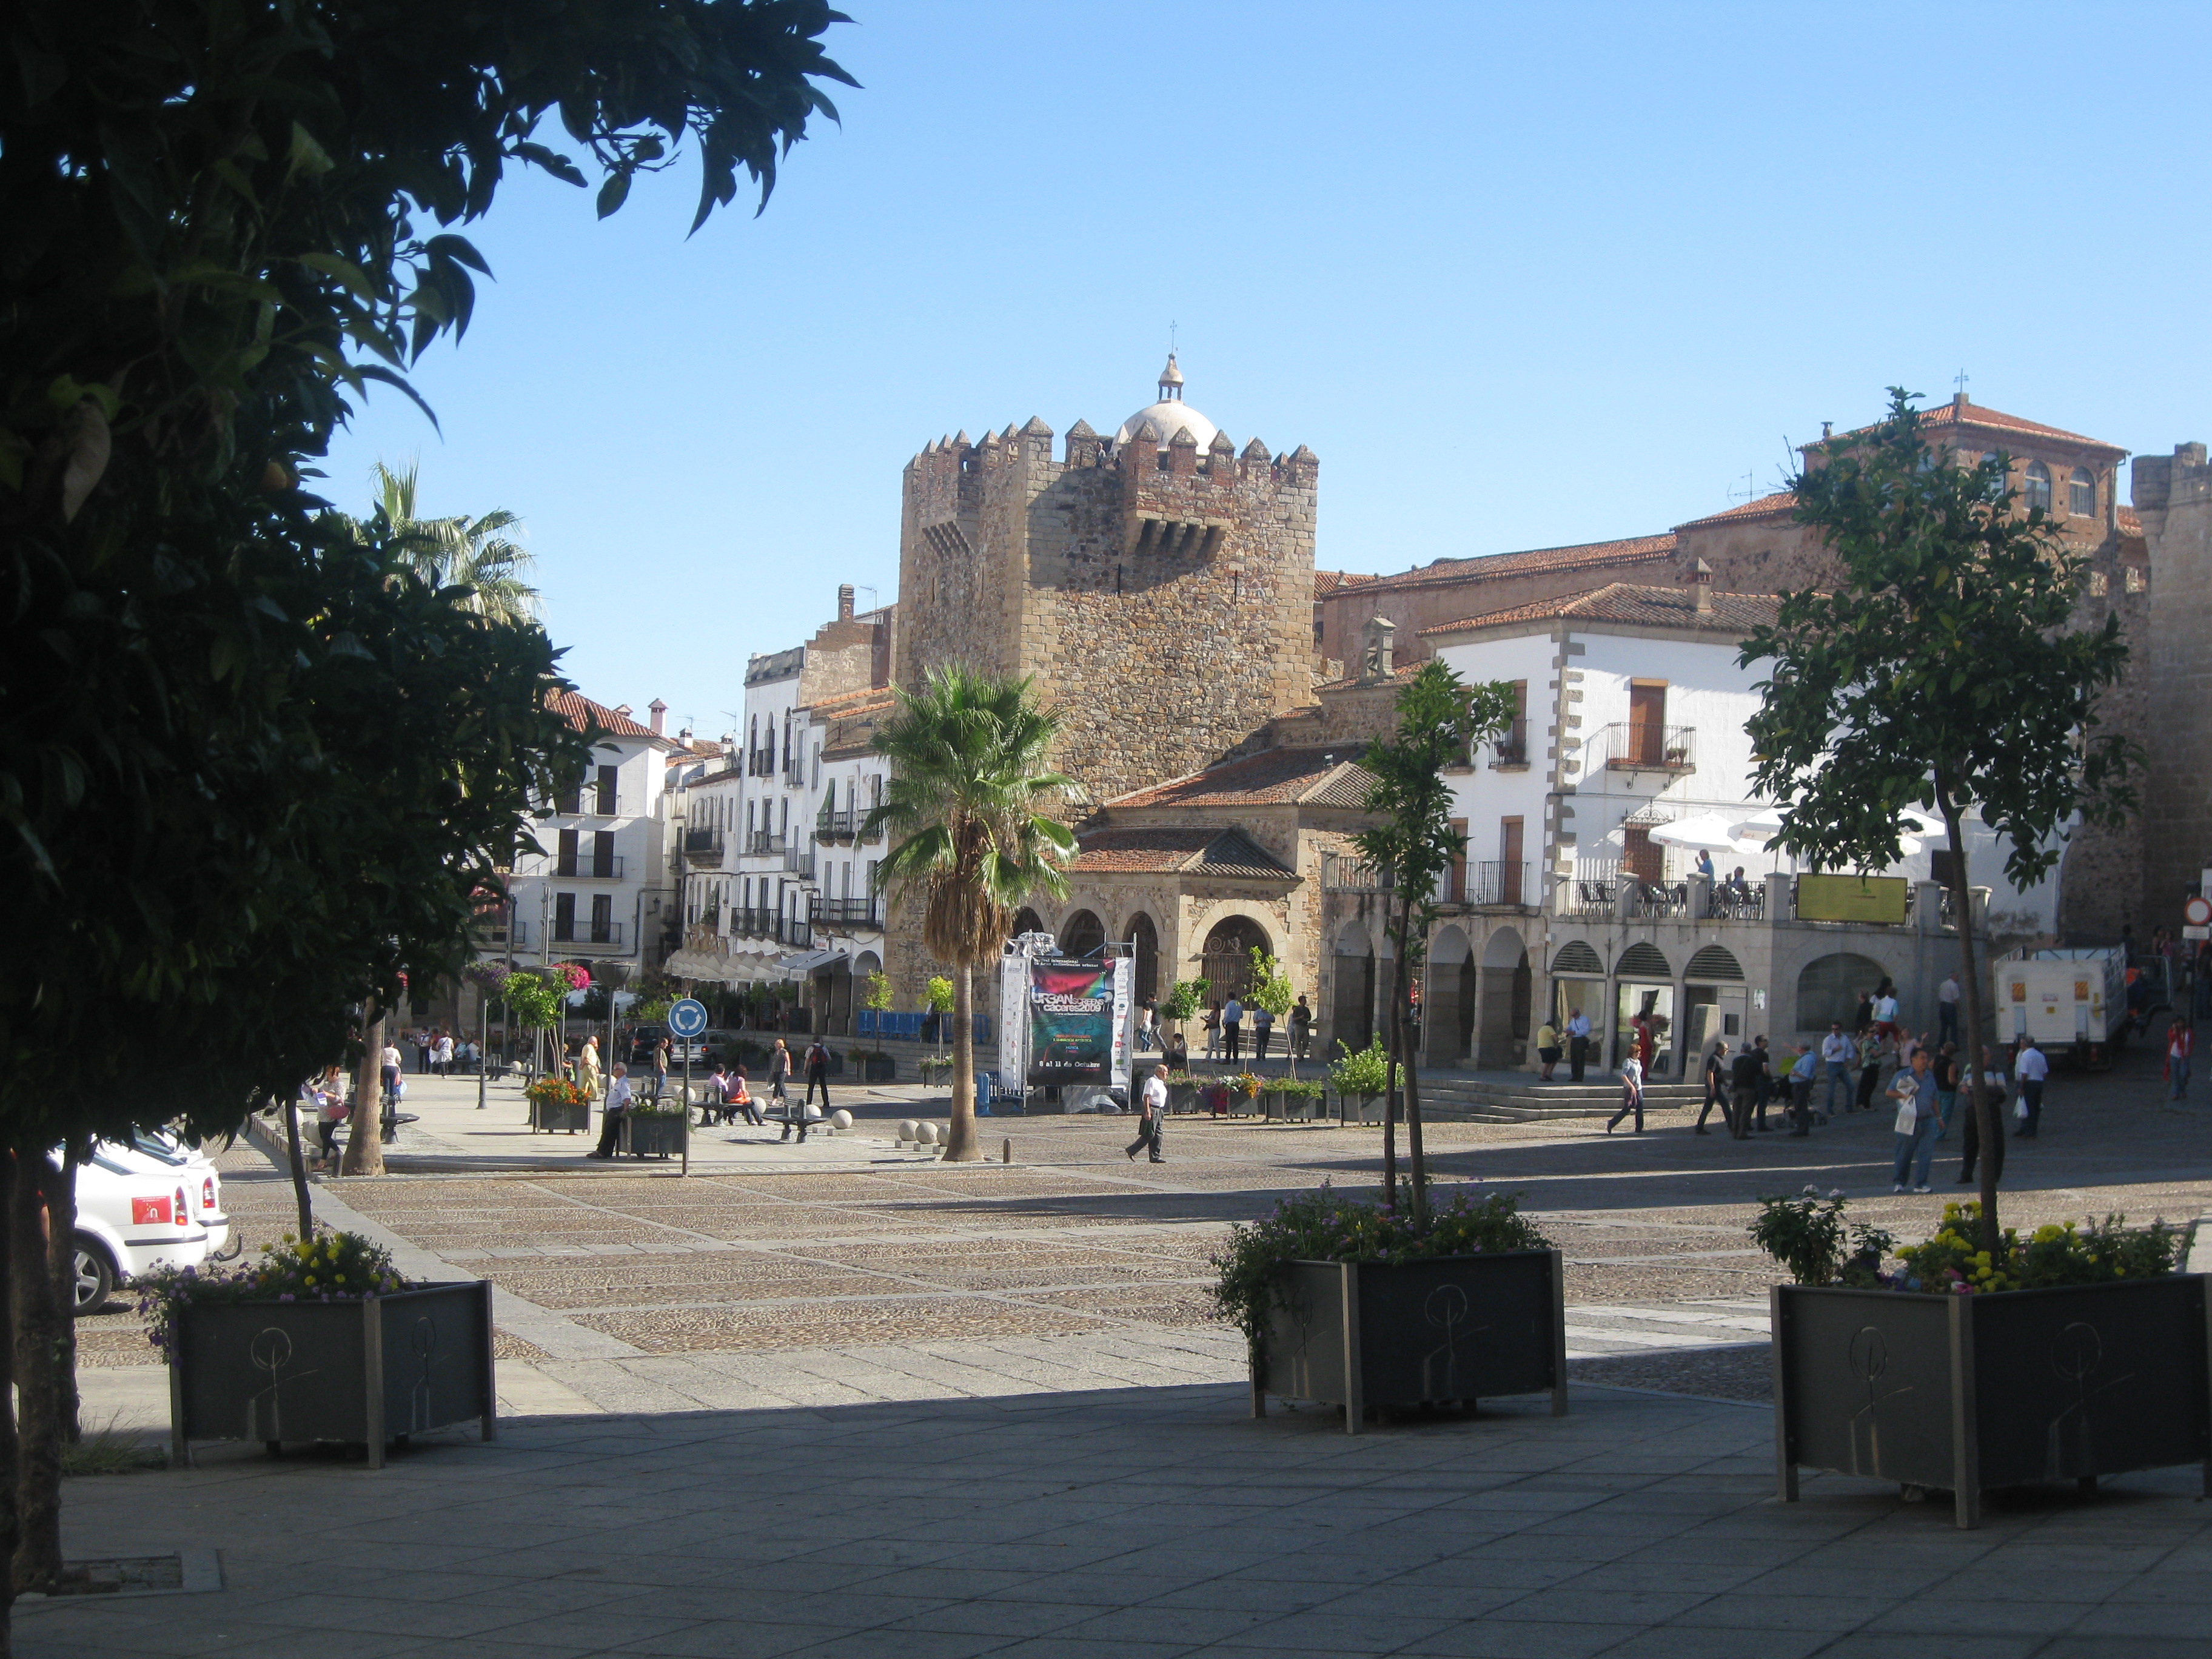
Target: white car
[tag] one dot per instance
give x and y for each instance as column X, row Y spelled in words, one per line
column 137, row 1210
column 204, row 1189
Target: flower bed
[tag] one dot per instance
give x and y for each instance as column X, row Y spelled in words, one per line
column 556, row 1104
column 1344, row 1303
column 321, row 1340
column 2076, row 1353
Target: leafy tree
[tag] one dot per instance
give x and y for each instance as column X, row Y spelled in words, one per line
column 475, row 554
column 968, row 775
column 1270, row 988
column 251, row 765
column 878, row 996
column 1182, row 1004
column 1950, row 668
column 1441, row 718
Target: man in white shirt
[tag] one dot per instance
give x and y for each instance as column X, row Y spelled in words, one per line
column 1578, row 1033
column 1232, row 1029
column 2028, row 1072
column 1947, row 1011
column 1836, row 1053
column 1151, row 1113
column 1631, row 1093
column 619, row 1095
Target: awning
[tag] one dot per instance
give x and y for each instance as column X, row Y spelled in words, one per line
column 807, row 963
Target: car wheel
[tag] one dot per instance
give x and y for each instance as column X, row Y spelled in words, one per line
column 96, row 1277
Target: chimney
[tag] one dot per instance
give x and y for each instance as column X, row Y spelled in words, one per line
column 1827, row 430
column 1959, row 399
column 658, row 711
column 622, row 708
column 1701, row 584
column 845, row 602
column 1381, row 632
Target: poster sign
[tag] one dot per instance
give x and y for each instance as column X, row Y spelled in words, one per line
column 1013, row 1027
column 1078, row 1021
column 1879, row 899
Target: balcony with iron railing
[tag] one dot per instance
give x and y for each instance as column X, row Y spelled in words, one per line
column 840, row 823
column 1499, row 884
column 583, row 866
column 798, row 861
column 1343, row 873
column 1636, row 746
column 704, row 841
column 1510, row 750
column 585, row 934
column 864, row 912
column 765, row 844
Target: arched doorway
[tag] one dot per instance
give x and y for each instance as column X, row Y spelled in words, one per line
column 1644, row 989
column 1081, row 934
column 1448, row 1008
column 1026, row 920
column 1226, row 961
column 1144, row 948
column 1352, row 1004
column 1501, row 1022
column 1829, row 989
column 1716, row 1004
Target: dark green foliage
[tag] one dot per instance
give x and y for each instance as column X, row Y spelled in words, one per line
column 1810, row 1237
column 1330, row 1226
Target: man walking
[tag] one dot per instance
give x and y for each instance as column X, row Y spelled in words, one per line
column 1578, row 1033
column 1836, row 1053
column 1151, row 1113
column 2029, row 1070
column 1232, row 1029
column 1947, row 1011
column 1631, row 1093
column 1763, row 1079
column 1914, row 1094
column 1743, row 1091
column 1301, row 1028
column 818, row 1076
column 660, row 1068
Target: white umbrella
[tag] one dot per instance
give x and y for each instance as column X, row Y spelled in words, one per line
column 1707, row 832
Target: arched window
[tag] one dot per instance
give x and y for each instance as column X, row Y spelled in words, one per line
column 1577, row 957
column 2081, row 494
column 1145, row 940
column 1026, row 922
column 1829, row 989
column 1227, row 965
column 1081, row 933
column 2038, row 485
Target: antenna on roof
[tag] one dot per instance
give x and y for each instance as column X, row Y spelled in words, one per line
column 1172, row 326
column 1960, row 381
column 1750, row 490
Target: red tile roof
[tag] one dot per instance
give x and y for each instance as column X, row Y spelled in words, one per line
column 1399, row 676
column 1492, row 567
column 2130, row 523
column 854, row 703
column 1320, row 775
column 583, row 715
column 1734, row 614
column 1779, row 505
column 1956, row 416
column 1197, row 849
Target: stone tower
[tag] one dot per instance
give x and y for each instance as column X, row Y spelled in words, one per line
column 1158, row 584
column 2173, row 497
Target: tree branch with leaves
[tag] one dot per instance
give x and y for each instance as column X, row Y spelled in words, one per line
column 1955, row 667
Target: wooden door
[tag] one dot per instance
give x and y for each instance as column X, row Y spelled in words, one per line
column 1509, row 860
column 1647, row 721
column 1455, row 891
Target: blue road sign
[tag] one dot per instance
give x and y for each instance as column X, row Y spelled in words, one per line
column 687, row 1017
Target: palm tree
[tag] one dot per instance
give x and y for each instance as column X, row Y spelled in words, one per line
column 969, row 770
column 477, row 554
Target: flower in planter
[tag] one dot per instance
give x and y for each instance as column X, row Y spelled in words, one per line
column 331, row 1266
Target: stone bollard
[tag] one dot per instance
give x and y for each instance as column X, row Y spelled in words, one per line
column 1006, row 1151
column 840, row 1121
column 925, row 1137
column 908, row 1130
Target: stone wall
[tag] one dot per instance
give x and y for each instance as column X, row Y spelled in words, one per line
column 2173, row 497
column 1162, row 599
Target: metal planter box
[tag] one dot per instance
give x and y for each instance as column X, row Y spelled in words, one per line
column 1969, row 1393
column 553, row 1115
column 1364, row 1335
column 355, row 1371
column 653, row 1134
column 878, row 1069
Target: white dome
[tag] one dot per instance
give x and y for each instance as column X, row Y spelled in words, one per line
column 1168, row 415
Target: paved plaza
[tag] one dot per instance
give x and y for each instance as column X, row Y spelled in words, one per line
column 848, row 1399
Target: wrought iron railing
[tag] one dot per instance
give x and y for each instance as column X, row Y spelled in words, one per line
column 582, row 867
column 1342, row 873
column 1511, row 747
column 1634, row 746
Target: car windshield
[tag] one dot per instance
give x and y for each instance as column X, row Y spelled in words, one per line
column 159, row 1146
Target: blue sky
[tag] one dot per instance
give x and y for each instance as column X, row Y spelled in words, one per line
column 1520, row 277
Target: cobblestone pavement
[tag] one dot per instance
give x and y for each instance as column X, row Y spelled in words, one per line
column 881, row 1276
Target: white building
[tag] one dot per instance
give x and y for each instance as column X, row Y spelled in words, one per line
column 777, row 885
column 1635, row 709
column 596, row 889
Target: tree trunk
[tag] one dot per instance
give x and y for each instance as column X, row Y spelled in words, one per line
column 61, row 1240
column 1390, row 1036
column 38, row 1554
column 1401, row 1013
column 483, row 1043
column 364, row 1152
column 960, row 1145
column 10, row 1521
column 1970, row 1025
column 299, row 1166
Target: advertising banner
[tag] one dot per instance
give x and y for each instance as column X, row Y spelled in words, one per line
column 1074, row 1037
column 1013, row 1021
column 1853, row 898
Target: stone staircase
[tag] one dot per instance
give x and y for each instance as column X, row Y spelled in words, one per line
column 1516, row 1097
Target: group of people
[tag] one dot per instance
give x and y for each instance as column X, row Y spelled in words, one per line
column 438, row 1053
column 1224, row 1024
column 729, row 1092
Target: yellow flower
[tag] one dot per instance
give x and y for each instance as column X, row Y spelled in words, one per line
column 311, row 1279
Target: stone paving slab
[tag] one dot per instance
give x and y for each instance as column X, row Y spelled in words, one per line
column 1119, row 1522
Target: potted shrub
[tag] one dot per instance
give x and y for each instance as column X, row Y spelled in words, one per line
column 556, row 1103
column 319, row 1340
column 875, row 1064
column 2078, row 1352
column 1361, row 1075
column 1301, row 1099
column 1181, row 1005
column 655, row 1131
column 1182, row 1093
column 1342, row 1302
